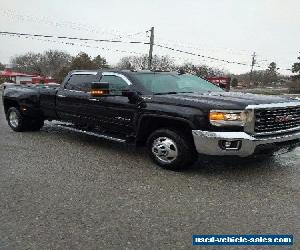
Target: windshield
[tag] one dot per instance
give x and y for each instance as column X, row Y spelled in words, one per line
column 160, row 83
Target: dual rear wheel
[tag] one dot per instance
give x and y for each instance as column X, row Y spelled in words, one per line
column 18, row 122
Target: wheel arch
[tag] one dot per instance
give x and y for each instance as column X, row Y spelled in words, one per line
column 150, row 123
column 8, row 103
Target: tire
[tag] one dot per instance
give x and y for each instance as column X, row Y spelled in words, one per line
column 20, row 123
column 16, row 120
column 171, row 149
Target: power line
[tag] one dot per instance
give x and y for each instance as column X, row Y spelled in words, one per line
column 173, row 43
column 116, row 33
column 203, row 59
column 138, row 33
column 199, row 55
column 81, row 45
column 189, row 45
column 129, row 42
column 70, row 38
column 209, row 57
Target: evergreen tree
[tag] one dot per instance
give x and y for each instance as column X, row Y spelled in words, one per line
column 234, row 82
column 100, row 62
column 2, row 66
column 296, row 68
column 82, row 61
column 271, row 74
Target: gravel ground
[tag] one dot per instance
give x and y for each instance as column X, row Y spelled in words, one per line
column 63, row 190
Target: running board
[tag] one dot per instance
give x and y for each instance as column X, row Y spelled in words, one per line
column 102, row 136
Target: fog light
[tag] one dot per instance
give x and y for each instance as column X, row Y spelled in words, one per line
column 230, row 145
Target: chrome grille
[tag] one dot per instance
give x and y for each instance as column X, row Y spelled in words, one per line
column 274, row 119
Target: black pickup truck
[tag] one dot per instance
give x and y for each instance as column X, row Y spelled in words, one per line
column 178, row 116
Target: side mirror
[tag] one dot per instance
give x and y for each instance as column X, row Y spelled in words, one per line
column 99, row 89
column 129, row 93
column 133, row 96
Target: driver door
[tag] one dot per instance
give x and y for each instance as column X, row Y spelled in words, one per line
column 116, row 113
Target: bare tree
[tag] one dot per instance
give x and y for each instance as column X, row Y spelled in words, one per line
column 141, row 62
column 163, row 63
column 133, row 62
column 28, row 63
column 49, row 63
column 201, row 70
column 258, row 77
column 52, row 61
column 126, row 63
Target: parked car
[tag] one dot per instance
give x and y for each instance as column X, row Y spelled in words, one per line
column 178, row 116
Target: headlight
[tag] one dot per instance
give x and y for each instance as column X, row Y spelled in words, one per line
column 227, row 117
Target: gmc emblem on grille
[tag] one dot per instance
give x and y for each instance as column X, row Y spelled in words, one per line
column 283, row 118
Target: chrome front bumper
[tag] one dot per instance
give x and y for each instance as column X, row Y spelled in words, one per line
column 208, row 143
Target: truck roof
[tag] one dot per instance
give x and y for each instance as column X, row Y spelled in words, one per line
column 121, row 71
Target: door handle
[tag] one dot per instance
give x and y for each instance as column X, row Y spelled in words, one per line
column 61, row 96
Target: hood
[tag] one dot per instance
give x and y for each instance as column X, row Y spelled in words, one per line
column 218, row 100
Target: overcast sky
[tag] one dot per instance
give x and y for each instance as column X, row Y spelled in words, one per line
column 227, row 29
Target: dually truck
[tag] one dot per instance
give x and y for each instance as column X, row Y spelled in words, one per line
column 178, row 116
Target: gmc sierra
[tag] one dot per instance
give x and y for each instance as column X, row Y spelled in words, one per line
column 177, row 115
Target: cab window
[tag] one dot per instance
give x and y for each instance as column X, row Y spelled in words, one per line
column 80, row 82
column 116, row 83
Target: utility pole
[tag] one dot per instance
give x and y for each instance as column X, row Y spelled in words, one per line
column 252, row 65
column 151, row 48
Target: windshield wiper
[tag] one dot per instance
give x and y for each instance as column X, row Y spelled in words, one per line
column 171, row 92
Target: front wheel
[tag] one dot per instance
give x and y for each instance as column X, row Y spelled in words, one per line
column 171, row 149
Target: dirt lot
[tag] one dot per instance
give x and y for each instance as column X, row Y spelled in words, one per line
column 62, row 190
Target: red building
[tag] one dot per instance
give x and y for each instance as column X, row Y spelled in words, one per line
column 22, row 78
column 15, row 77
column 222, row 82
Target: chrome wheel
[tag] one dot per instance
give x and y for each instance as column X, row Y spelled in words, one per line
column 164, row 149
column 13, row 119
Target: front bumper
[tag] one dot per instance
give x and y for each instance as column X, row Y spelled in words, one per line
column 208, row 142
